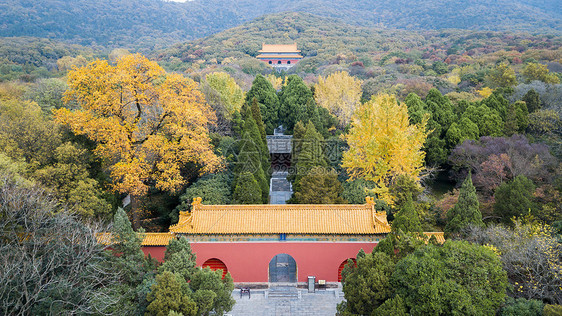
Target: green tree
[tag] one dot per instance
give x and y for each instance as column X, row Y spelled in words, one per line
column 170, row 293
column 310, row 155
column 247, row 190
column 48, row 94
column 213, row 188
column 127, row 244
column 514, row 198
column 533, row 100
column 319, row 186
column 457, row 278
column 294, row 98
column 466, row 211
column 355, row 191
column 522, row 307
column 179, row 259
column 268, row 102
column 205, row 282
column 416, row 108
column 407, row 219
column 251, row 157
column 536, row 71
column 502, row 76
column 367, row 285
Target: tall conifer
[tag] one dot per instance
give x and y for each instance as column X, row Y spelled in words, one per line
column 466, row 211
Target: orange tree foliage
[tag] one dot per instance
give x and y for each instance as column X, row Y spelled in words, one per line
column 383, row 144
column 146, row 123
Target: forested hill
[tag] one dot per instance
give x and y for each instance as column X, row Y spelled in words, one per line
column 323, row 40
column 155, row 23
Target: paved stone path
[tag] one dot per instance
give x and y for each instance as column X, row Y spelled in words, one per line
column 321, row 303
column 280, row 188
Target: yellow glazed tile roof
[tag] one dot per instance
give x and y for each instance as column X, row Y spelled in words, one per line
column 279, row 56
column 150, row 239
column 157, row 239
column 276, row 48
column 342, row 219
column 440, row 236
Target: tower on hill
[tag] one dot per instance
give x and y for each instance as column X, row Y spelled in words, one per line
column 281, row 57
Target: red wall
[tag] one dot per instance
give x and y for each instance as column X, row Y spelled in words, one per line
column 283, row 61
column 249, row 261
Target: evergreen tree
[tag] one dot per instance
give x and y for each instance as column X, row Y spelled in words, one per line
column 533, row 100
column 251, row 157
column 294, row 97
column 256, row 114
column 170, row 293
column 367, row 285
column 514, row 198
column 247, row 190
column 407, row 219
column 179, row 259
column 416, row 108
column 127, row 243
column 212, row 292
column 268, row 102
column 466, row 212
column 320, row 186
column 309, row 155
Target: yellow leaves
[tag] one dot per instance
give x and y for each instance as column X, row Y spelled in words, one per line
column 276, row 82
column 146, row 123
column 232, row 96
column 383, row 145
column 340, row 94
column 485, row 92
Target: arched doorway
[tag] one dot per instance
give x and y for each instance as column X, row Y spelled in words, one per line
column 342, row 265
column 216, row 264
column 283, row 268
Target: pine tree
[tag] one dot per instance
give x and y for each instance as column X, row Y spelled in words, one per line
column 247, row 190
column 407, row 219
column 466, row 211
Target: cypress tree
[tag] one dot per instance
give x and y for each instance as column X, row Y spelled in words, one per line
column 268, row 102
column 466, row 211
column 256, row 114
column 247, row 190
column 320, row 186
column 407, row 219
column 294, row 97
column 310, row 154
column 533, row 100
column 250, row 159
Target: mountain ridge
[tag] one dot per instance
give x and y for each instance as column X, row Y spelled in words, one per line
column 154, row 24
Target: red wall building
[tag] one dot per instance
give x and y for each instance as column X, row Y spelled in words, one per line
column 276, row 243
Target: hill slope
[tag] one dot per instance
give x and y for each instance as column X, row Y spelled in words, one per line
column 151, row 24
column 322, row 38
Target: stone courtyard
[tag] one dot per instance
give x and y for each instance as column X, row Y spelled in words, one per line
column 287, row 302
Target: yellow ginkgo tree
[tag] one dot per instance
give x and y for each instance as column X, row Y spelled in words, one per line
column 146, row 123
column 383, row 144
column 340, row 94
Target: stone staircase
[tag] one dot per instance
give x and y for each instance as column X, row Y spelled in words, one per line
column 283, row 292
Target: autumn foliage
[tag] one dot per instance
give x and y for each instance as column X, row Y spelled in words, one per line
column 147, row 124
column 383, row 144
